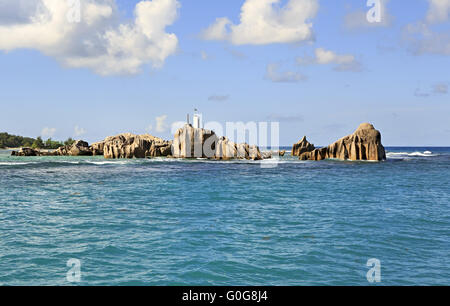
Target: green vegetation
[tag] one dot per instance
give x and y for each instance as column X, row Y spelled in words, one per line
column 13, row 141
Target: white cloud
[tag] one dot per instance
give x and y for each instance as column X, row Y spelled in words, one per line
column 78, row 131
column 218, row 30
column 328, row 57
column 48, row 132
column 358, row 19
column 325, row 57
column 17, row 11
column 98, row 42
column 421, row 39
column 267, row 22
column 274, row 74
column 161, row 125
column 439, row 11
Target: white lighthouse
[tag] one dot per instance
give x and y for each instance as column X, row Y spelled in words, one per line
column 197, row 120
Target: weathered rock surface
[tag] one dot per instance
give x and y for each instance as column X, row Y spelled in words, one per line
column 97, row 148
column 26, row 152
column 133, row 146
column 192, row 142
column 302, row 146
column 255, row 154
column 78, row 148
column 226, row 150
column 268, row 154
column 363, row 144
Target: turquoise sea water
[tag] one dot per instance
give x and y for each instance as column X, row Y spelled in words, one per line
column 178, row 222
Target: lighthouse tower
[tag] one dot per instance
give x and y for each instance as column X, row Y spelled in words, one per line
column 197, row 120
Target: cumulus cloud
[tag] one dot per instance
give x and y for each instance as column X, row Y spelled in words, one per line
column 358, row 19
column 422, row 38
column 78, row 131
column 267, row 22
column 48, row 132
column 161, row 125
column 438, row 11
column 326, row 57
column 274, row 74
column 98, row 41
column 17, row 11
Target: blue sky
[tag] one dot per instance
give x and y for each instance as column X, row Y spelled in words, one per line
column 394, row 75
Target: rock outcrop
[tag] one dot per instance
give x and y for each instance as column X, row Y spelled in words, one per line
column 133, row 146
column 301, row 147
column 190, row 142
column 78, row 148
column 120, row 146
column 363, row 144
column 97, row 148
column 226, row 150
column 26, row 152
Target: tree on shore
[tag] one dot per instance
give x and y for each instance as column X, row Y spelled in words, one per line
column 69, row 142
column 13, row 141
column 38, row 143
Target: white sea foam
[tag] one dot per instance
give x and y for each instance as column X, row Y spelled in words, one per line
column 410, row 154
column 107, row 162
column 13, row 163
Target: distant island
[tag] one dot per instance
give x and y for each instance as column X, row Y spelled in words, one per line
column 194, row 142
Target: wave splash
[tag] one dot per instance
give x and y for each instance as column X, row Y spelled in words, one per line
column 410, row 154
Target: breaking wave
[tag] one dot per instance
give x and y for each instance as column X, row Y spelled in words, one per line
column 410, row 154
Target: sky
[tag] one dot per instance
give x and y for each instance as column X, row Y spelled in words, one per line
column 318, row 67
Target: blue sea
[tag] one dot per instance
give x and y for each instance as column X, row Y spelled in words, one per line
column 198, row 222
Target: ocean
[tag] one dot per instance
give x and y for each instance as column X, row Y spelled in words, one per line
column 198, row 222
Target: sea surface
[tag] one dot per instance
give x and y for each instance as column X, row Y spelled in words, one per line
column 197, row 222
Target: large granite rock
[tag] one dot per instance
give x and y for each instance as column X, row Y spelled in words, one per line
column 226, row 149
column 192, row 142
column 301, row 147
column 363, row 144
column 78, row 148
column 133, row 146
column 97, row 148
column 25, row 152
